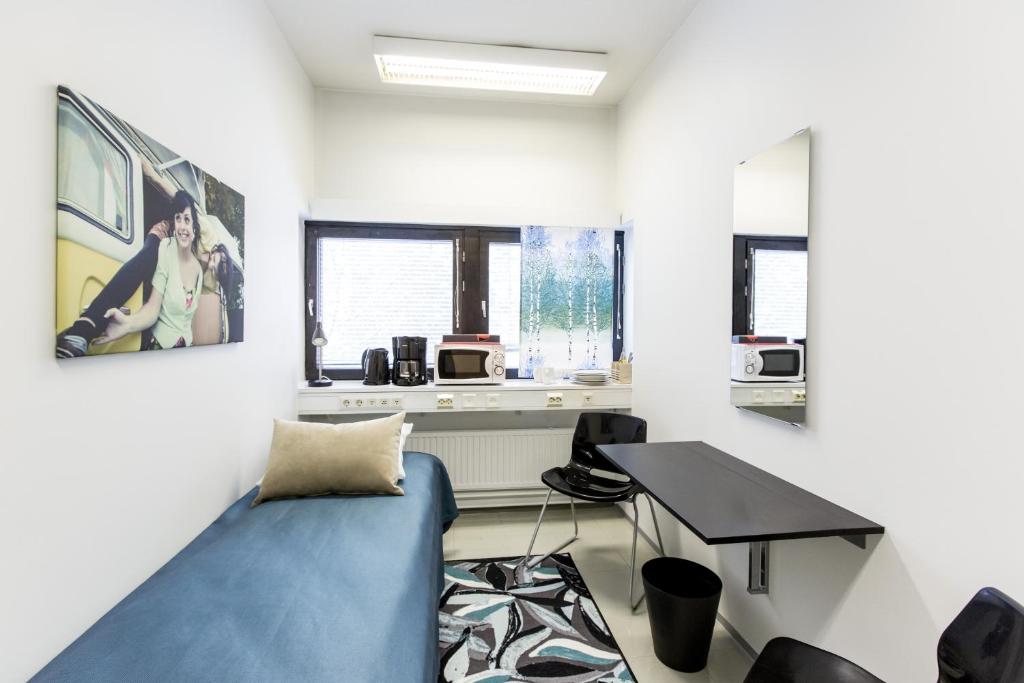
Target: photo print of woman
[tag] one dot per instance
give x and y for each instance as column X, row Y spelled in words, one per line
column 149, row 246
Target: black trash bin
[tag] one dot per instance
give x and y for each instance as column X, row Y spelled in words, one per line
column 682, row 603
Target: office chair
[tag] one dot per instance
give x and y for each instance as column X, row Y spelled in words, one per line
column 985, row 642
column 590, row 476
column 784, row 660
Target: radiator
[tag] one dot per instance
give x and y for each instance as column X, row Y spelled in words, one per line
column 496, row 467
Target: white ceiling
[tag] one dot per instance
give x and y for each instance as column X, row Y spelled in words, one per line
column 333, row 38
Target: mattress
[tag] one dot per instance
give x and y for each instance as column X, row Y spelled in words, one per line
column 333, row 588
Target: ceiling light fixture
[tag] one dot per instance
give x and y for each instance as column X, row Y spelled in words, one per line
column 488, row 67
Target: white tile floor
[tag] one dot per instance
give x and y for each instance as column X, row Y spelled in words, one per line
column 602, row 555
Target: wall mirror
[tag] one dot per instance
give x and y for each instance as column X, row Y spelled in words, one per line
column 769, row 281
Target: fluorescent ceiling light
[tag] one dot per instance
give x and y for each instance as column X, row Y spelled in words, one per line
column 488, row 67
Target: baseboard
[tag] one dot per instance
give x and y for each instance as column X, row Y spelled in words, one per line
column 736, row 635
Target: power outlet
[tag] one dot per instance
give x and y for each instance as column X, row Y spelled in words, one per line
column 554, row 399
column 445, row 401
column 588, row 398
column 799, row 395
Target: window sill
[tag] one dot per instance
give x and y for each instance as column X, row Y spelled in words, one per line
column 352, row 396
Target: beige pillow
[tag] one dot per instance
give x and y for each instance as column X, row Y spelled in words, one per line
column 314, row 459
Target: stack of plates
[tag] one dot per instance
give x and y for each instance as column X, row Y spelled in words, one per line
column 590, row 377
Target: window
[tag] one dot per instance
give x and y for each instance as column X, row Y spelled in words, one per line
column 375, row 290
column 92, row 172
column 770, row 286
column 500, row 301
column 369, row 283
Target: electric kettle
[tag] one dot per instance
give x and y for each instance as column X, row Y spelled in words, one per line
column 376, row 367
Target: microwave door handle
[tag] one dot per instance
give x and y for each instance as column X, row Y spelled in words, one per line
column 483, row 307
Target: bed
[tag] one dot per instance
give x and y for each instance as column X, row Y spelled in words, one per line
column 334, row 588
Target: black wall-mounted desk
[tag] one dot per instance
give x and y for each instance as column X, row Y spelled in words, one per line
column 723, row 499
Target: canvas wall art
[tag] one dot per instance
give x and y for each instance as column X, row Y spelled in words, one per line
column 150, row 247
column 568, row 281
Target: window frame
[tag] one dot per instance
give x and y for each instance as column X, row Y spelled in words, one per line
column 742, row 274
column 470, row 273
column 469, row 242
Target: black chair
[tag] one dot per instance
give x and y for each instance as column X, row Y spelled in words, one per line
column 784, row 660
column 985, row 642
column 590, row 476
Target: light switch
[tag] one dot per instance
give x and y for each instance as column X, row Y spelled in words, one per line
column 758, row 395
column 493, row 400
column 469, row 401
column 778, row 395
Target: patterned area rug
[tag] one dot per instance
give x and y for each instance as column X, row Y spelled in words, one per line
column 494, row 631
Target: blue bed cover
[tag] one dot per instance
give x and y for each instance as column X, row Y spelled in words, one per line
column 334, row 588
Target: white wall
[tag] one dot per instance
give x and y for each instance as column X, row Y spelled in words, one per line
column 916, row 240
column 111, row 465
column 436, row 160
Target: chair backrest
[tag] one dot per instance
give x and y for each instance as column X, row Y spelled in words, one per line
column 784, row 660
column 602, row 429
column 985, row 642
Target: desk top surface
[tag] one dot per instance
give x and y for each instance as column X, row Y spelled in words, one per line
column 723, row 499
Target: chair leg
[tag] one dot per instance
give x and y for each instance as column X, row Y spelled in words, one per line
column 657, row 529
column 632, row 558
column 521, row 573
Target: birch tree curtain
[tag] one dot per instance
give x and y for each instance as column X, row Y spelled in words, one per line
column 567, row 290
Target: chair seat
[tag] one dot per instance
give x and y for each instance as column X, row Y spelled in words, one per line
column 576, row 485
column 784, row 660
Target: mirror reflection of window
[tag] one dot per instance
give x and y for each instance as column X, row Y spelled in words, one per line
column 780, row 293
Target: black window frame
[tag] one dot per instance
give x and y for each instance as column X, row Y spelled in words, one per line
column 743, row 247
column 470, row 273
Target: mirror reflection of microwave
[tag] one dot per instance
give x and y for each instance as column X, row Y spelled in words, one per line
column 469, row 363
column 772, row 362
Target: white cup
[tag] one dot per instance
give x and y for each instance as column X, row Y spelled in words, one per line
column 545, row 375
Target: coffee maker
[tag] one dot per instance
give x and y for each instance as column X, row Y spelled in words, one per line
column 410, row 368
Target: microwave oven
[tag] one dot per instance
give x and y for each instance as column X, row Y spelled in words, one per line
column 768, row 362
column 469, row 363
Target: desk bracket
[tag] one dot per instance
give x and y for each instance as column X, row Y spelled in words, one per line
column 757, row 568
column 859, row 540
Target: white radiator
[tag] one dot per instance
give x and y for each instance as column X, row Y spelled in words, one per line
column 496, row 467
